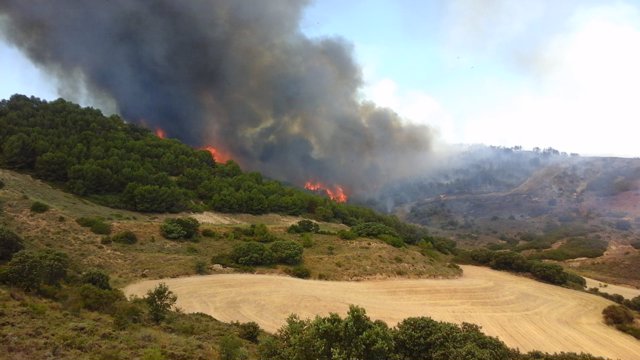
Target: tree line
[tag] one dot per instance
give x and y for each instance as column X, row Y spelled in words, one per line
column 122, row 165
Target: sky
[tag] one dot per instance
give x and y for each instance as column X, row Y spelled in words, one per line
column 534, row 73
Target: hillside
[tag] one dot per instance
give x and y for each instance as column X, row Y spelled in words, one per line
column 90, row 204
column 579, row 210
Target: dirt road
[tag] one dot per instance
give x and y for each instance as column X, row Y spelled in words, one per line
column 524, row 313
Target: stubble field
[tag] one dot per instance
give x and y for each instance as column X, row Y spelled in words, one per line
column 524, row 313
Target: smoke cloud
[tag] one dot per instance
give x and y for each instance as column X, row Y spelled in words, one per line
column 235, row 74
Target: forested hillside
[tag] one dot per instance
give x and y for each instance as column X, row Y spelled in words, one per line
column 125, row 166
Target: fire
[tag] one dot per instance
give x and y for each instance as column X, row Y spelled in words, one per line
column 218, row 155
column 335, row 192
column 161, row 133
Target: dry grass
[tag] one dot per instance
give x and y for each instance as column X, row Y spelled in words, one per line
column 524, row 313
column 155, row 257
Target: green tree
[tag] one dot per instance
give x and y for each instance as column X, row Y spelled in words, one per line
column 18, row 152
column 25, row 271
column 230, row 348
column 287, row 252
column 160, row 300
column 96, row 278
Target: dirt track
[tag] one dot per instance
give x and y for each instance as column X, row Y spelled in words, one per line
column 523, row 313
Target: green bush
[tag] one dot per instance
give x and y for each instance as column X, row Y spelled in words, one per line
column 96, row 299
column 160, row 300
column 96, row 225
column 30, row 270
column 392, row 240
column 39, row 207
column 511, row 261
column 10, row 243
column 551, row 273
column 251, row 253
column 96, row 278
column 1, row 185
column 286, row 252
column 300, row 271
column 186, row 228
column 249, row 331
column 208, row 233
column 373, row 230
column 304, row 226
column 347, row 235
column 125, row 237
column 200, row 267
column 617, row 315
column 307, row 241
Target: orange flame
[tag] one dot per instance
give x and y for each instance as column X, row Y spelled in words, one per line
column 335, row 193
column 218, row 155
column 161, row 133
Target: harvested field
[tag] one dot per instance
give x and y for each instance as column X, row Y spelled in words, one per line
column 524, row 313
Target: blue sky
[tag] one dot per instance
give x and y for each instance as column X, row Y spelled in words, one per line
column 500, row 72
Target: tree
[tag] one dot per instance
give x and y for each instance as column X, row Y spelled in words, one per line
column 180, row 228
column 617, row 315
column 18, row 152
column 10, row 243
column 160, row 300
column 552, row 273
column 251, row 253
column 287, row 252
column 231, row 348
column 97, row 278
column 25, row 271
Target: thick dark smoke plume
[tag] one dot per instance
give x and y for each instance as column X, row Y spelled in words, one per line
column 236, row 74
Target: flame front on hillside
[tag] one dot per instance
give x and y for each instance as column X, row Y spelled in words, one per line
column 161, row 133
column 220, row 156
column 335, row 192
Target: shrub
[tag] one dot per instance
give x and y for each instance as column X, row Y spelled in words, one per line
column 347, row 235
column 10, row 243
column 96, row 278
column 30, row 270
column 160, row 300
column 230, row 347
column 392, row 240
column 126, row 313
column 39, row 207
column 200, row 267
column 286, row 252
column 1, row 184
column 299, row 272
column 372, row 229
column 101, row 228
column 97, row 225
column 208, row 233
column 304, row 226
column 307, row 241
column 125, row 237
column 617, row 315
column 249, row 331
column 180, row 228
column 508, row 260
column 552, row 273
column 97, row 299
column 251, row 253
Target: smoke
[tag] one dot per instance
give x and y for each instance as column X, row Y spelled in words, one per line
column 235, row 74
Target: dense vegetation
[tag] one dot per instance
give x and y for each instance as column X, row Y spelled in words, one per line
column 512, row 261
column 126, row 166
column 358, row 337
